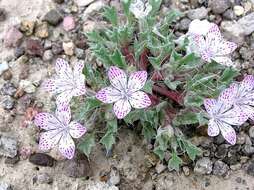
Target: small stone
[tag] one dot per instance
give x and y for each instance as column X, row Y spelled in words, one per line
column 251, row 132
column 247, row 23
column 47, row 44
column 12, row 37
column 8, row 146
column 235, row 167
column 203, row 166
column 7, row 102
column 5, row 186
column 8, row 89
column 19, row 51
column 41, row 159
column 7, row 75
column 34, row 47
column 27, row 86
column 44, row 178
column 3, row 67
column 48, row 55
column 241, row 138
column 184, row 24
column 220, row 168
column 27, row 27
column 114, row 177
column 24, row 71
column 41, row 30
column 2, row 14
column 248, row 150
column 82, row 3
column 53, row 17
column 11, row 161
column 229, row 15
column 222, row 151
column 238, row 10
column 59, row 1
column 92, row 8
column 199, row 13
column 57, row 48
column 160, row 167
column 80, row 53
column 68, row 48
column 89, row 26
column 219, row 6
column 186, row 170
column 69, row 23
column 250, row 168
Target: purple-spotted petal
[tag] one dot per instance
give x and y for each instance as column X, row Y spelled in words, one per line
column 226, row 98
column 78, row 68
column 64, row 98
column 46, row 121
column 108, row 95
column 213, row 37
column 49, row 139
column 62, row 68
column 213, row 128
column 228, row 133
column 234, row 116
column 81, row 90
column 121, row 108
column 117, row 78
column 50, row 85
column 63, row 113
column 67, row 146
column 210, row 105
column 224, row 61
column 76, row 129
column 140, row 100
column 225, row 48
column 137, row 80
column 248, row 83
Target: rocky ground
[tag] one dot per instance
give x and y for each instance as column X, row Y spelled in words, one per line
column 34, row 33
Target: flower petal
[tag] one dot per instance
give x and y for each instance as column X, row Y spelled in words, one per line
column 140, row 100
column 64, row 98
column 67, row 146
column 47, row 121
column 117, row 78
column 137, row 81
column 213, row 128
column 247, row 84
column 228, row 133
column 121, row 108
column 224, row 61
column 76, row 129
column 210, row 105
column 81, row 90
column 108, row 95
column 50, row 85
column 234, row 116
column 63, row 113
column 199, row 27
column 225, row 47
column 63, row 69
column 226, row 98
column 49, row 139
column 213, row 37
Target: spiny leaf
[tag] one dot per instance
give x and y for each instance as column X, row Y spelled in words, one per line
column 87, row 143
column 175, row 162
column 118, row 59
column 110, row 14
column 186, row 118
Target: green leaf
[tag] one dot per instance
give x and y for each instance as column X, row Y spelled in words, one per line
column 110, row 14
column 159, row 153
column 87, row 143
column 112, row 126
column 148, row 88
column 172, row 84
column 193, row 100
column 186, row 118
column 175, row 162
column 108, row 140
column 133, row 116
column 192, row 151
column 228, row 75
column 148, row 131
column 118, row 59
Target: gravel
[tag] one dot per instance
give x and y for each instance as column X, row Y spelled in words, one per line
column 220, row 168
column 203, row 166
column 199, row 13
column 8, row 146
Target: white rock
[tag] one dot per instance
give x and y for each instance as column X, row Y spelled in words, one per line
column 94, row 7
column 238, row 10
column 247, row 23
column 3, row 67
column 27, row 86
column 68, row 48
column 83, row 3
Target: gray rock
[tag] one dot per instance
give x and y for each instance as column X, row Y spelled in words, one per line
column 248, row 149
column 251, row 132
column 5, row 186
column 184, row 24
column 219, row 6
column 8, row 89
column 203, row 166
column 114, row 177
column 48, row 55
column 7, row 102
column 2, row 14
column 186, row 170
column 241, row 138
column 19, row 51
column 160, row 167
column 42, row 159
column 8, row 146
column 59, row 1
column 80, row 53
column 220, row 168
column 57, row 48
column 53, row 17
column 222, row 151
column 43, row 178
column 3, row 67
column 199, row 13
column 250, row 168
column 229, row 15
column 247, row 54
column 247, row 23
column 92, row 8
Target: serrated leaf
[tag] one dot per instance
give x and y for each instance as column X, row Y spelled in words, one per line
column 118, row 59
column 148, row 131
column 172, row 84
column 110, row 14
column 108, row 140
column 87, row 143
column 175, row 162
column 186, row 118
column 228, row 75
column 148, row 88
column 192, row 151
column 159, row 153
column 133, row 116
column 193, row 100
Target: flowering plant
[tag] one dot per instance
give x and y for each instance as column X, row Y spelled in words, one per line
column 170, row 83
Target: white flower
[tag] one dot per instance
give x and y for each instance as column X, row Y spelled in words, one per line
column 140, row 9
column 199, row 27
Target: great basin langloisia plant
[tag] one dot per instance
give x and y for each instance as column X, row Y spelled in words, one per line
column 173, row 85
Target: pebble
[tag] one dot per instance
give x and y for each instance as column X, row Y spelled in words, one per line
column 251, row 132
column 248, row 149
column 19, row 51
column 250, row 168
column 203, row 166
column 53, row 17
column 12, row 37
column 160, row 167
column 47, row 44
column 186, row 170
column 59, row 1
column 27, row 27
column 43, row 178
column 7, row 75
column 184, row 24
column 5, row 186
column 220, row 168
column 12, row 161
column 8, row 89
column 7, row 102
column 2, row 14
column 235, row 167
column 57, row 48
column 199, row 13
column 69, row 23
column 247, row 23
column 89, row 26
column 68, row 48
column 219, row 6
column 41, row 159
column 92, row 8
column 222, row 151
column 48, row 55
column 34, row 47
column 41, row 30
column 8, row 146
column 80, row 53
column 229, row 15
column 238, row 10
column 24, row 71
column 27, row 86
column 241, row 138
column 82, row 3
column 3, row 67
column 114, row 177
